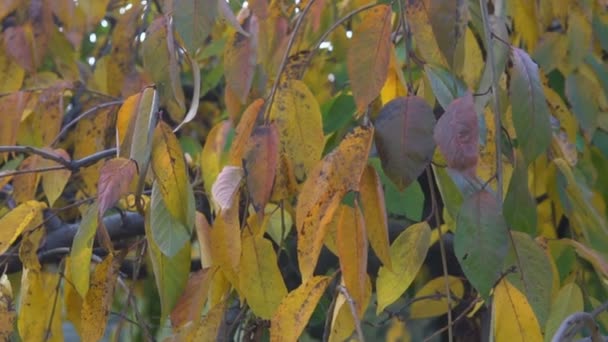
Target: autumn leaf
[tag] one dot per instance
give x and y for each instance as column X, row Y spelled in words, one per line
column 418, row 18
column 292, row 315
column 97, row 303
column 260, row 277
column 82, row 250
column 449, row 21
column 226, row 187
column 171, row 174
column 431, row 300
column 408, row 252
column 213, row 153
column 168, row 232
column 404, row 138
column 240, row 58
column 243, row 131
column 194, row 20
column 24, row 217
column 191, row 303
column 260, row 163
column 339, row 172
column 114, row 179
column 457, row 135
column 226, row 244
column 368, row 71
column 297, row 116
column 54, row 182
column 374, row 214
column 515, row 320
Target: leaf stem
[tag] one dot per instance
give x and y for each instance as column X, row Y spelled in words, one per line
column 285, row 59
column 444, row 262
column 495, row 101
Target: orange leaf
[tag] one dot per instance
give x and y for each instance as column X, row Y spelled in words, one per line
column 352, row 250
column 374, row 212
column 240, row 59
column 190, row 305
column 261, row 158
column 339, row 172
column 243, row 131
column 369, row 55
column 295, row 310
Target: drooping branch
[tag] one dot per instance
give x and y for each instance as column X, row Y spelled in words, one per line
column 72, row 165
column 579, row 320
column 60, row 236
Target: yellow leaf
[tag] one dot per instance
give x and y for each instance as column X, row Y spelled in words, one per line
column 420, row 25
column 408, row 252
column 226, row 243
column 8, row 315
column 170, row 170
column 352, row 251
column 12, row 73
column 343, row 323
column 260, row 277
column 82, row 250
column 398, row 332
column 395, row 83
column 208, row 327
column 24, row 217
column 367, row 71
column 72, row 300
column 374, row 211
column 297, row 116
column 473, row 59
column 212, row 156
column 525, row 21
column 243, row 131
column 25, row 185
column 513, row 318
column 36, row 307
column 431, row 299
column 97, row 303
column 569, row 300
column 339, row 172
column 292, row 315
column 203, row 232
column 53, row 182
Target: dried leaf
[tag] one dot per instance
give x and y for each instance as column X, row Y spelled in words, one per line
column 368, row 71
column 240, row 57
column 404, row 139
column 339, row 172
column 457, row 135
column 261, row 161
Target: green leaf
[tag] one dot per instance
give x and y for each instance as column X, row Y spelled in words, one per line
column 568, row 301
column 481, row 240
column 530, row 110
column 170, row 273
column 519, row 207
column 169, row 234
column 408, row 252
column 582, row 95
column 533, row 275
column 194, row 21
column 338, row 112
column 449, row 21
column 445, row 85
column 82, row 250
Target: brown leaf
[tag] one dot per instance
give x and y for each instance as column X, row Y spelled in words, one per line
column 404, row 138
column 457, row 135
column 261, row 158
column 17, row 43
column 190, row 305
column 11, row 107
column 369, row 55
column 240, row 59
column 24, row 185
column 243, row 131
column 97, row 303
column 114, row 179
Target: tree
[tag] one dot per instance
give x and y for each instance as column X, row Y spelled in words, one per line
column 204, row 169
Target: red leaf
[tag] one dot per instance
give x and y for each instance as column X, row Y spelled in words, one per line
column 114, row 179
column 457, row 135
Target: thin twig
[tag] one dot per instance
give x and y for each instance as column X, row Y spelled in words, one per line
column 37, row 151
column 50, row 324
column 458, row 318
column 495, row 99
column 444, row 262
column 329, row 316
column 353, row 311
column 574, row 323
column 283, row 64
column 82, row 116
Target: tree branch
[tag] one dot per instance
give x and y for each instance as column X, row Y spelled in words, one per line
column 60, row 236
column 574, row 323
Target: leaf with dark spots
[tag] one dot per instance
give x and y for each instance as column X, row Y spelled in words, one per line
column 457, row 135
column 404, row 138
column 261, row 160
